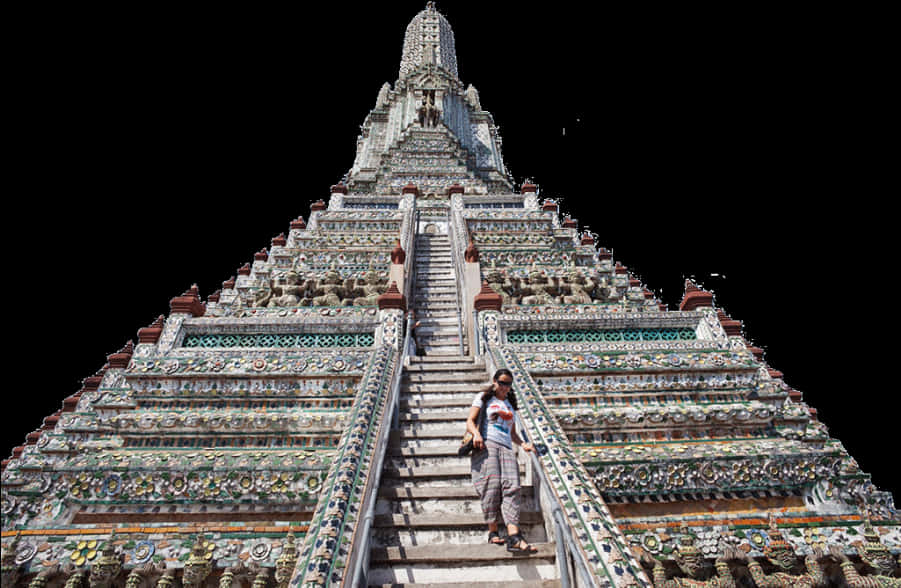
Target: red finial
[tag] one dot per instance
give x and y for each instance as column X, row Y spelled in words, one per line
column 392, row 298
column 398, row 256
column 694, row 297
column 152, row 333
column 188, row 303
column 121, row 358
column 487, row 299
column 471, row 255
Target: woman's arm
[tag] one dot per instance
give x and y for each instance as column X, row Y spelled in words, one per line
column 477, row 441
column 515, row 438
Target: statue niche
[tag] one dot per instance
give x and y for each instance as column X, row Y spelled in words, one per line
column 429, row 115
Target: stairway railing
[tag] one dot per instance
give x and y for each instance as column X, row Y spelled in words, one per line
column 360, row 575
column 563, row 539
column 458, row 276
column 364, row 547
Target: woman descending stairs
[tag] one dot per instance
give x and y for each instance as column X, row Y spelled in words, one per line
column 429, row 528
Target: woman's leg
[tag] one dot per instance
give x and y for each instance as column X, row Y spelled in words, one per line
column 512, row 501
column 485, row 469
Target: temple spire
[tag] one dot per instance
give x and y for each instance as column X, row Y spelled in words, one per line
column 429, row 40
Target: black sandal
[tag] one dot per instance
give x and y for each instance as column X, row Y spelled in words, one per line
column 492, row 535
column 514, row 542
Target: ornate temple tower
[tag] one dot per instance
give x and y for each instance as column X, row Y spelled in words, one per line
column 283, row 431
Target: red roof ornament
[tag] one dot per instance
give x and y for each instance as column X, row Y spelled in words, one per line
column 570, row 223
column 528, row 188
column 694, row 297
column 392, row 298
column 549, row 206
column 121, row 358
column 261, row 255
column 188, row 303
column 318, row 205
column 244, row 270
column 152, row 333
column 455, row 189
column 410, row 189
column 587, row 239
column 487, row 299
column 279, row 241
column 398, row 256
column 298, row 223
column 339, row 188
column 471, row 255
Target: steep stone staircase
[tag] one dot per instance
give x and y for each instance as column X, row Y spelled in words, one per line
column 435, row 296
column 429, row 527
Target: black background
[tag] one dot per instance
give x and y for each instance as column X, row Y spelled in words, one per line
column 155, row 148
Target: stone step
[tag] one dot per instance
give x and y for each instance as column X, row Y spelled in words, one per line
column 458, row 359
column 452, row 307
column 437, row 313
column 470, row 553
column 443, row 281
column 447, row 351
column 449, row 337
column 448, row 416
column 455, row 521
column 460, row 401
column 448, row 529
column 469, row 377
column 409, row 439
column 421, row 367
column 439, row 428
column 444, row 330
column 418, row 386
column 440, row 321
column 438, row 492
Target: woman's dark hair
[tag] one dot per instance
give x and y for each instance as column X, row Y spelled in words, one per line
column 488, row 391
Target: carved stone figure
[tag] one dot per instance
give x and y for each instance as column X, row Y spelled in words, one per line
column 142, row 575
column 872, row 553
column 540, row 289
column 495, row 281
column 472, row 97
column 261, row 297
column 330, row 291
column 284, row 566
column 781, row 554
column 382, row 100
column 105, row 570
column 167, row 579
column 429, row 115
column 9, row 569
column 76, row 577
column 372, row 289
column 198, row 567
column 230, row 574
column 690, row 562
column 44, row 576
column 287, row 290
column 579, row 288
